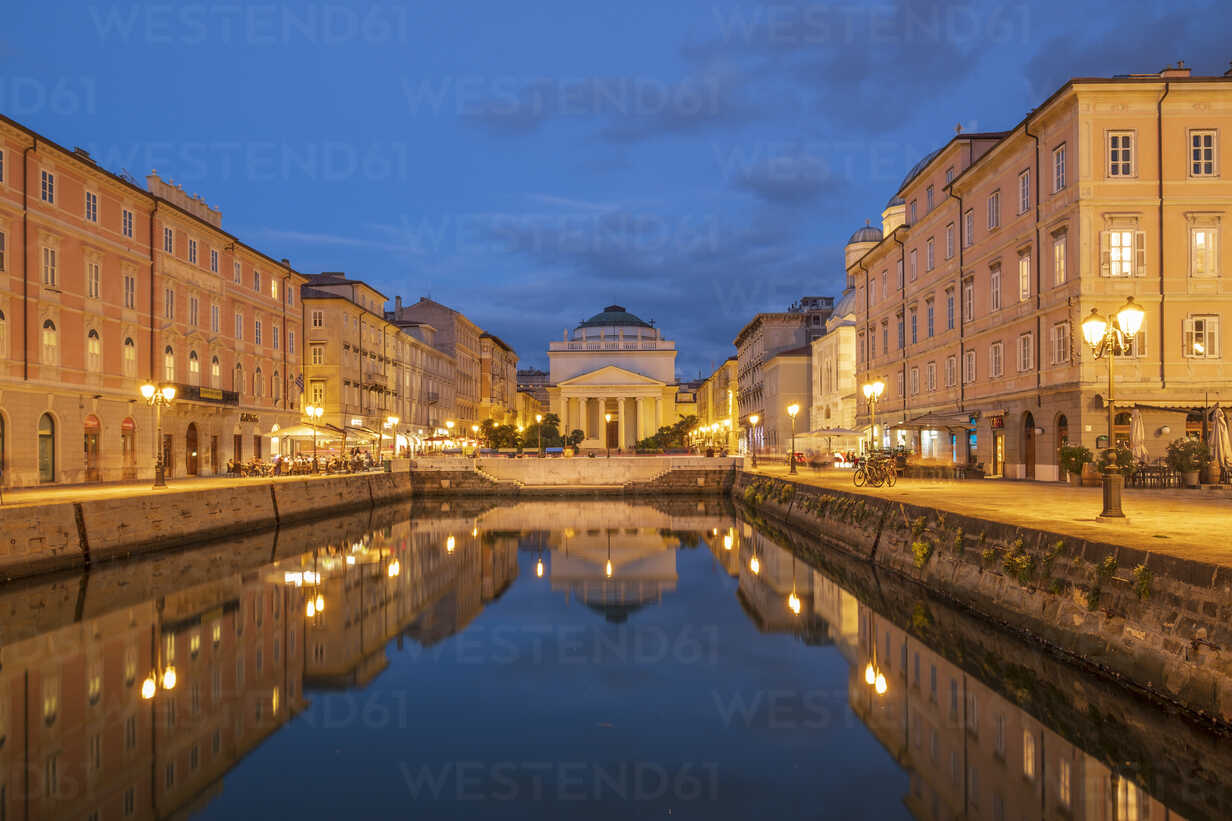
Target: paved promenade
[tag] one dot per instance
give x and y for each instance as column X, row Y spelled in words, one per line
column 1195, row 524
column 17, row 497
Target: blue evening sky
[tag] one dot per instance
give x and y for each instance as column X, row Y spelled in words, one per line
column 529, row 163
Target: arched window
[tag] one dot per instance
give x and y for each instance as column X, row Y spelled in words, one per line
column 130, row 357
column 168, row 364
column 4, row 336
column 194, row 369
column 51, row 343
column 258, row 386
column 238, row 385
column 1120, row 428
column 215, row 373
column 94, row 352
column 47, row 448
column 276, row 387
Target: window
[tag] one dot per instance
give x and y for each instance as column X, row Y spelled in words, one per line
column 318, row 319
column 1201, row 337
column 861, row 348
column 94, row 352
column 168, row 240
column 1134, row 348
column 928, row 198
column 949, row 309
column 256, row 331
column 290, row 296
column 1059, row 343
column 238, row 386
column 1122, row 253
column 994, row 289
column 169, row 364
column 999, row 735
column 949, row 175
column 1024, row 277
column 316, row 391
column 1058, row 168
column 215, row 319
column 193, row 306
column 276, row 390
column 91, row 211
column 1065, row 793
column 915, row 330
column 1120, row 154
column 900, row 332
column 899, row 273
column 930, row 255
column 930, row 377
column 237, row 273
column 1024, row 192
column 48, row 190
column 51, row 343
column 968, row 367
column 1058, row 258
column 130, row 291
column 213, row 261
column 885, row 284
column 1203, row 252
column 915, row 263
column 1202, row 153
column 49, row 267
column 968, row 228
column 872, row 344
column 318, row 354
column 194, row 369
column 290, row 341
column 2, row 250
column 276, row 337
column 885, row 335
column 900, row 375
column 915, row 381
column 949, row 241
column 951, row 368
column 192, row 251
column 996, row 363
column 168, row 303
column 215, row 373
column 258, row 389
column 256, row 280
column 1028, row 754
column 1026, row 352
column 273, row 288
column 130, row 357
column 911, row 213
column 994, row 210
column 94, row 278
column 239, row 326
column 126, row 223
column 968, row 300
column 928, row 313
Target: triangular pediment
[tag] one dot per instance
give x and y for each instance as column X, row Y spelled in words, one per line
column 610, row 375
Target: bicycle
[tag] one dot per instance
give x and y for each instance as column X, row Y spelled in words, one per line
column 875, row 472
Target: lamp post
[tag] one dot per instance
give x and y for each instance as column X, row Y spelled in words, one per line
column 607, row 440
column 314, row 413
column 753, row 420
column 1108, row 337
column 539, row 429
column 872, row 392
column 792, row 410
column 391, row 422
column 158, row 397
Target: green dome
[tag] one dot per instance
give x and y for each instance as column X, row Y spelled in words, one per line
column 615, row 315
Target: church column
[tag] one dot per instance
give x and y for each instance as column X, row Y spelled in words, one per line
column 622, row 423
column 639, row 421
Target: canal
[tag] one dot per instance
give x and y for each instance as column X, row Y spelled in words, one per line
column 603, row 659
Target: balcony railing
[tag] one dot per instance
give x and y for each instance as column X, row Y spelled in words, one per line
column 611, row 345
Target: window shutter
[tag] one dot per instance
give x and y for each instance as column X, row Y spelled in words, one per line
column 1105, row 254
column 1187, row 338
column 1140, row 253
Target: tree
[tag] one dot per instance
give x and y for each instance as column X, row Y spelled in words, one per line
column 575, row 437
column 673, row 436
column 486, row 429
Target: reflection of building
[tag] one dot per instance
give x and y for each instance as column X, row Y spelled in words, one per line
column 614, row 571
column 613, row 364
column 770, row 578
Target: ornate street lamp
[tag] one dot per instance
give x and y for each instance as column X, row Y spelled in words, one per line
column 872, row 392
column 314, row 413
column 539, row 428
column 158, row 397
column 792, row 410
column 753, row 420
column 607, row 442
column 1108, row 338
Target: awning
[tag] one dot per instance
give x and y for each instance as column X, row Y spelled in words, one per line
column 306, row 432
column 1154, row 404
column 938, row 421
column 833, row 432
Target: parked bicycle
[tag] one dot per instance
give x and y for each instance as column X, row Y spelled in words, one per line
column 875, row 471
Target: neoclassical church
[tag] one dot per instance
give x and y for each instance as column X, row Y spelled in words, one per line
column 613, row 365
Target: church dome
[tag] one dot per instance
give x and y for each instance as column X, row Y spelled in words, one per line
column 615, row 316
column 866, row 233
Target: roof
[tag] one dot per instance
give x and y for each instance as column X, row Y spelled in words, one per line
column 614, row 315
column 865, row 233
column 497, row 340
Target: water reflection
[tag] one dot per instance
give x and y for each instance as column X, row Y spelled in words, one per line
column 130, row 692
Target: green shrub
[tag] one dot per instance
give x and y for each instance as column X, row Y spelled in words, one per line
column 922, row 551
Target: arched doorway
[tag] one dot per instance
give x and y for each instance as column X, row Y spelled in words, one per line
column 93, row 432
column 47, row 448
column 1028, row 445
column 128, row 447
column 190, row 449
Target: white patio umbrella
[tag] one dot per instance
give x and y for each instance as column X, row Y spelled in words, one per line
column 1137, row 437
column 1221, row 443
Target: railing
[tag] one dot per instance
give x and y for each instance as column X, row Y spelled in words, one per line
column 611, row 345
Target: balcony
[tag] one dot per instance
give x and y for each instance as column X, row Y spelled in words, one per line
column 212, row 396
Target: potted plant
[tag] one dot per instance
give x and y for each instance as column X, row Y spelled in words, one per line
column 1187, row 456
column 1072, row 459
column 1119, row 461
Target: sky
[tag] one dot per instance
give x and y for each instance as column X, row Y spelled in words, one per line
column 530, row 163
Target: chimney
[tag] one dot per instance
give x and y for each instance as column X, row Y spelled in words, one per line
column 397, row 305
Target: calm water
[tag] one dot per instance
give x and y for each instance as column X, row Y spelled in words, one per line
column 554, row 660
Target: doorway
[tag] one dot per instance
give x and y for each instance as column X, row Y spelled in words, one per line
column 190, row 450
column 168, row 453
column 90, row 449
column 1028, row 445
column 128, row 448
column 998, row 454
column 46, row 449
column 612, row 430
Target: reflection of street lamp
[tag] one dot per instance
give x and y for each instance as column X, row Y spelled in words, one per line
column 1108, row 338
column 158, row 397
column 872, row 392
column 607, row 569
column 753, row 420
column 607, row 439
column 792, row 410
column 314, row 412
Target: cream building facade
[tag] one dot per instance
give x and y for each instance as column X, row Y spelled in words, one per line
column 998, row 245
column 716, row 406
column 832, row 407
column 613, row 364
column 457, row 336
column 498, row 380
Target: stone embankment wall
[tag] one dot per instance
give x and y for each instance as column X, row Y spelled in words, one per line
column 697, row 477
column 39, row 538
column 1158, row 623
